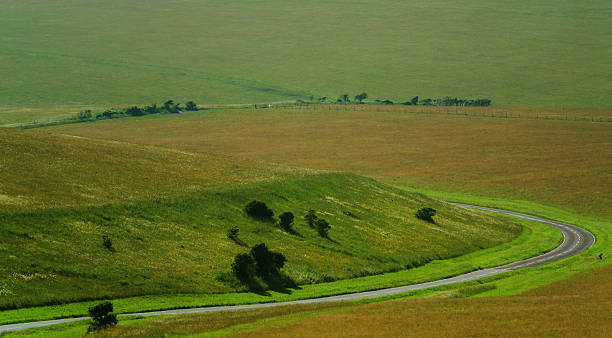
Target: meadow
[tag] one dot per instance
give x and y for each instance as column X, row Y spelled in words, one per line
column 520, row 53
column 560, row 163
column 164, row 242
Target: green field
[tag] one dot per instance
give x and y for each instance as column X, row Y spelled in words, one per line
column 517, row 53
column 171, row 241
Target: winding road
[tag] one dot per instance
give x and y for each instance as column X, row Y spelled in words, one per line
column 575, row 241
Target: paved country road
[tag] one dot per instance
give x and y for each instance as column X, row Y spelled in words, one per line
column 575, row 241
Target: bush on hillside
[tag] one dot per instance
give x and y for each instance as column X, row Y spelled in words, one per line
column 102, row 317
column 285, row 221
column 311, row 218
column 191, row 106
column 107, row 243
column 259, row 211
column 426, row 214
column 322, row 227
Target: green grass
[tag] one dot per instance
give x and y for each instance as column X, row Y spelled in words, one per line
column 535, row 238
column 519, row 53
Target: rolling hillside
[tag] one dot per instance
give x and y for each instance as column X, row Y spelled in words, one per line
column 52, row 254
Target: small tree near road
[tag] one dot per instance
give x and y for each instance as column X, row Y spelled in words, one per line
column 102, row 316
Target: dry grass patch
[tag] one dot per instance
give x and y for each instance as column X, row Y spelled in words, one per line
column 580, row 306
column 567, row 164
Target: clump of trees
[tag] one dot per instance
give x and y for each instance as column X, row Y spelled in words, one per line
column 415, row 101
column 168, row 107
column 448, row 101
column 426, row 214
column 321, row 225
column 259, row 266
column 259, row 211
column 102, row 317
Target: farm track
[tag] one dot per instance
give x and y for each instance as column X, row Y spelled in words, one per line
column 575, row 241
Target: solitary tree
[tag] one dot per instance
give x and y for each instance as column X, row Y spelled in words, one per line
column 426, row 214
column 285, row 220
column 311, row 218
column 322, row 227
column 102, row 316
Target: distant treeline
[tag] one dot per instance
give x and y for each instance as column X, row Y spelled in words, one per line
column 415, row 101
column 168, row 107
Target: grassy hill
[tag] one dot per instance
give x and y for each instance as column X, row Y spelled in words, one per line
column 562, row 163
column 519, row 53
column 52, row 249
column 42, row 170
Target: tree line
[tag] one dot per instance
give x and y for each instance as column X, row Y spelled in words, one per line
column 168, row 107
column 446, row 101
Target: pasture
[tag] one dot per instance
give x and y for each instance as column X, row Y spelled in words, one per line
column 559, row 163
column 520, row 53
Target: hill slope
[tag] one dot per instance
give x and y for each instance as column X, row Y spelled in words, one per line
column 179, row 244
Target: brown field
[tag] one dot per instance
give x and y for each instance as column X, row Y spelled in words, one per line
column 561, row 163
column 578, row 306
column 569, row 114
column 42, row 170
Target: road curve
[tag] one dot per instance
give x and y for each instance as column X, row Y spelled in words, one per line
column 575, row 241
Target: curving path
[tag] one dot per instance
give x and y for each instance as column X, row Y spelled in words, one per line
column 575, row 241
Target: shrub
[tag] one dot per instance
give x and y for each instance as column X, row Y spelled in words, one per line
column 102, row 317
column 233, row 233
column 134, row 111
column 85, row 115
column 107, row 243
column 259, row 210
column 285, row 220
column 322, row 227
column 311, row 218
column 426, row 214
column 191, row 106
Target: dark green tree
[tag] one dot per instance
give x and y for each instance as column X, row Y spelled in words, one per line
column 345, row 98
column 426, row 214
column 361, row 97
column 244, row 269
column 285, row 220
column 191, row 106
column 322, row 227
column 102, row 317
column 415, row 101
column 259, row 210
column 311, row 218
